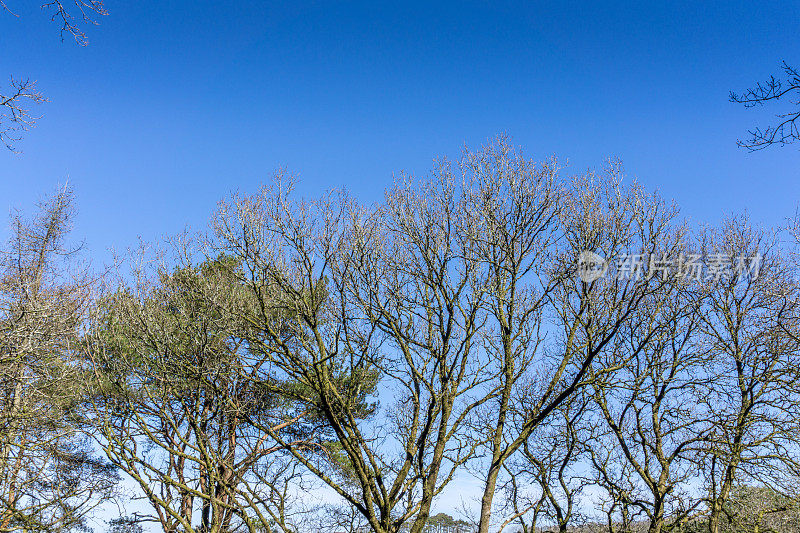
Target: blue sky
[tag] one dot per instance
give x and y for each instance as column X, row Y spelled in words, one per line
column 175, row 104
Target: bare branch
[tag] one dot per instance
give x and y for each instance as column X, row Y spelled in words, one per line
column 84, row 11
column 15, row 115
column 786, row 130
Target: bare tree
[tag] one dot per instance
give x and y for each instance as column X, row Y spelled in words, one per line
column 709, row 400
column 598, row 216
column 514, row 205
column 438, row 297
column 49, row 478
column 749, row 322
column 774, row 89
column 389, row 298
column 647, row 459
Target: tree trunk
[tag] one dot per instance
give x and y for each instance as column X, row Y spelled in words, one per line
column 488, row 497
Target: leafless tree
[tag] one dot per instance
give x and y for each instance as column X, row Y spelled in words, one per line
column 596, row 214
column 49, row 478
column 710, row 399
column 385, row 298
column 749, row 324
column 648, row 458
column 438, row 297
column 514, row 205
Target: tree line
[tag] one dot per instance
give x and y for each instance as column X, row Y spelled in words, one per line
column 327, row 365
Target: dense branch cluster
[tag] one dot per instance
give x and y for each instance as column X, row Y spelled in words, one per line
column 322, row 365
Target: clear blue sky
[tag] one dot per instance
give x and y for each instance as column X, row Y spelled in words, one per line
column 174, row 104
